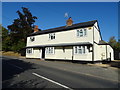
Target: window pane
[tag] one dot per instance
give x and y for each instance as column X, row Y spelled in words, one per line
column 52, row 36
column 75, row 49
column 77, row 32
column 81, row 33
column 49, row 36
column 85, row 32
column 83, row 49
column 79, row 50
column 51, row 50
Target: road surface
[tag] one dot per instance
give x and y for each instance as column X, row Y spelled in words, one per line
column 18, row 73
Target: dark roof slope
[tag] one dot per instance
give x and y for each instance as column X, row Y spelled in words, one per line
column 63, row 28
column 61, row 44
column 102, row 42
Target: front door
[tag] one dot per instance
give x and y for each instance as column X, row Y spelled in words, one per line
column 110, row 56
column 43, row 52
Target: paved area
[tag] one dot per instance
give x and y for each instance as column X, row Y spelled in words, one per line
column 102, row 71
column 32, row 73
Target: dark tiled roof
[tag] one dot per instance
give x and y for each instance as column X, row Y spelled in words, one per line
column 58, row 29
column 61, row 44
column 102, row 42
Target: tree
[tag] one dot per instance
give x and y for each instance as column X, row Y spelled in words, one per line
column 6, row 42
column 114, row 43
column 20, row 28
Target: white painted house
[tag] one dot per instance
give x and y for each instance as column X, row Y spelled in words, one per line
column 81, row 41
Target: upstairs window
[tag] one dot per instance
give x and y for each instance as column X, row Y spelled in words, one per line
column 85, row 32
column 81, row 32
column 32, row 38
column 51, row 36
column 49, row 50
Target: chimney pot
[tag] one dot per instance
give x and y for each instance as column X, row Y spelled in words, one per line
column 69, row 22
column 36, row 29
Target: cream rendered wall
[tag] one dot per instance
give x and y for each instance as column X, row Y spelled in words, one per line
column 68, row 53
column 110, row 50
column 36, row 53
column 97, row 37
column 99, row 52
column 30, row 55
column 60, row 54
column 83, row 57
column 60, row 37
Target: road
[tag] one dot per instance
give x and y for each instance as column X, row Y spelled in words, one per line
column 18, row 73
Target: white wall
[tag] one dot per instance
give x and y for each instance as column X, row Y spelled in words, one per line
column 30, row 55
column 69, row 36
column 99, row 52
column 36, row 53
column 83, row 57
column 102, row 52
column 97, row 36
column 67, row 53
column 110, row 50
column 60, row 54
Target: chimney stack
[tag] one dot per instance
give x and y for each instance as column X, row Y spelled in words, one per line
column 36, row 29
column 69, row 22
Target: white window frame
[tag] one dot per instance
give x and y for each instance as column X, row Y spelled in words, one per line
column 50, row 50
column 85, row 32
column 29, row 50
column 80, row 49
column 51, row 35
column 32, row 38
column 81, row 32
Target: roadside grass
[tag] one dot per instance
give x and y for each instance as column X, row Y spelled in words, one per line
column 115, row 63
column 10, row 53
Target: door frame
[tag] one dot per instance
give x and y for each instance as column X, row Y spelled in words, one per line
column 43, row 52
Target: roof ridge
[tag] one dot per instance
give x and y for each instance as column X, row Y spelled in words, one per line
column 72, row 25
column 62, row 28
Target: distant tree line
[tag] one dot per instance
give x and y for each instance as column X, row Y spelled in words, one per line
column 116, row 46
column 14, row 39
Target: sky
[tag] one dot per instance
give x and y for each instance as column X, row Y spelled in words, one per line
column 51, row 14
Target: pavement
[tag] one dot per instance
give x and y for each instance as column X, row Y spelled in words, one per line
column 32, row 73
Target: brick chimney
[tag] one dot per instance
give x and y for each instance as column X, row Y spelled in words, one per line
column 69, row 22
column 36, row 29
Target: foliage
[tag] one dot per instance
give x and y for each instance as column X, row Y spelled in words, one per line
column 6, row 42
column 19, row 30
column 114, row 43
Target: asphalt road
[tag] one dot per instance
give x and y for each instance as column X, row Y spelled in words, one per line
column 20, row 74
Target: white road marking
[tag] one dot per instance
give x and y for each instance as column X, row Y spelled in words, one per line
column 15, row 66
column 51, row 81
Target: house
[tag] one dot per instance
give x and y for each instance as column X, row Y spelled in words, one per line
column 81, row 41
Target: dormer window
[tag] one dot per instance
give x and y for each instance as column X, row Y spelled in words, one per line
column 32, row 38
column 81, row 32
column 51, row 36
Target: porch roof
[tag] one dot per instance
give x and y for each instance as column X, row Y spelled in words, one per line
column 61, row 44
